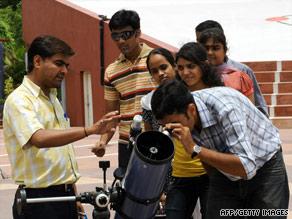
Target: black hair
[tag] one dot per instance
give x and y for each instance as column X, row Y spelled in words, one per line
column 196, row 53
column 170, row 97
column 123, row 18
column 166, row 54
column 208, row 24
column 161, row 51
column 218, row 37
column 46, row 46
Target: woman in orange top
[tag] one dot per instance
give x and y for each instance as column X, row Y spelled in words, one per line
column 214, row 41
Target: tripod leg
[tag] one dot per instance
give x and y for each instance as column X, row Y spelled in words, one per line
column 101, row 214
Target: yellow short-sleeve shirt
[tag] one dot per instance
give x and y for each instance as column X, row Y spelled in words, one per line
column 27, row 110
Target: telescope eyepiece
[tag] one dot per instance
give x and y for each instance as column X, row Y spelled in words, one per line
column 167, row 132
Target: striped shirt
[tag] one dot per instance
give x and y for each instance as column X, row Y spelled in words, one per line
column 26, row 110
column 232, row 124
column 128, row 82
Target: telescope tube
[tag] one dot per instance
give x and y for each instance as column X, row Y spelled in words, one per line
column 146, row 174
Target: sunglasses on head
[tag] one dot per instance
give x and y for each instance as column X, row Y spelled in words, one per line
column 124, row 35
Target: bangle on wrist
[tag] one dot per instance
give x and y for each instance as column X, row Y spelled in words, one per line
column 86, row 135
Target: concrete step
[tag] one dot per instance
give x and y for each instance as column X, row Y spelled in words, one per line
column 273, row 76
column 274, row 87
column 280, row 110
column 282, row 122
column 278, row 99
column 270, row 65
column 286, row 76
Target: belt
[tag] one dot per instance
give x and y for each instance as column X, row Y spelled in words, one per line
column 272, row 158
column 62, row 187
column 275, row 155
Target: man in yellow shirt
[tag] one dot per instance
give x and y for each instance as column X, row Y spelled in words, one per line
column 37, row 134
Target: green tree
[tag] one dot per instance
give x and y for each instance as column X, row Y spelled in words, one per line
column 6, row 3
column 8, row 86
column 14, row 55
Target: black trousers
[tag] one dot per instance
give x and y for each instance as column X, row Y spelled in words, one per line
column 48, row 210
column 266, row 194
column 183, row 194
column 124, row 155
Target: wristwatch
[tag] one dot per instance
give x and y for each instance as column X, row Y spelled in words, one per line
column 197, row 149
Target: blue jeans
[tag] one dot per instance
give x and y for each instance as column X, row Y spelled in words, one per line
column 183, row 194
column 268, row 189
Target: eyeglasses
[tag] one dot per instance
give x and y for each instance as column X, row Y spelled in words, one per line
column 124, row 35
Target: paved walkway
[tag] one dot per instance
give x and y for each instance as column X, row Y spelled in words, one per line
column 92, row 176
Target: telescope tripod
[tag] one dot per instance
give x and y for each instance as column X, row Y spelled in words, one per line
column 100, row 198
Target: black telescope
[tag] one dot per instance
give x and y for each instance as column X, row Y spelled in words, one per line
column 146, row 174
column 137, row 193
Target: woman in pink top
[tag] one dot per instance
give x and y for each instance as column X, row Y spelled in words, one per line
column 214, row 41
